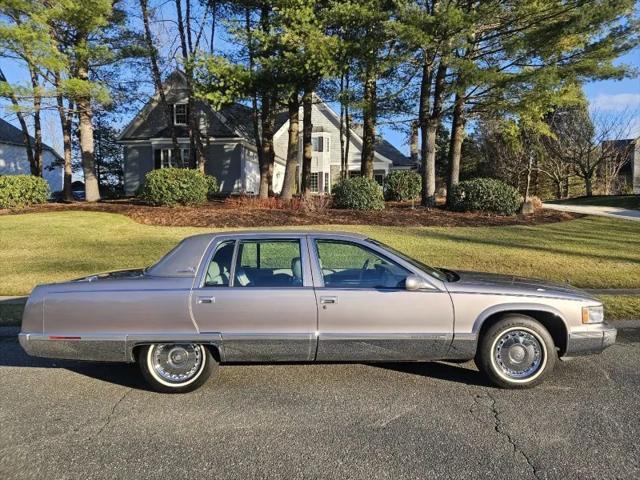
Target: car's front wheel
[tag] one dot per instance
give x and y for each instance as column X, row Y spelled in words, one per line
column 516, row 352
column 174, row 367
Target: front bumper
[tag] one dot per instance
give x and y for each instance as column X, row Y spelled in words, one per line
column 590, row 339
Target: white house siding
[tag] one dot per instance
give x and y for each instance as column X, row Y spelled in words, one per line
column 324, row 126
column 13, row 161
column 252, row 172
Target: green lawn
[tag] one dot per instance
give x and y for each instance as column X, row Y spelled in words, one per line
column 591, row 252
column 631, row 202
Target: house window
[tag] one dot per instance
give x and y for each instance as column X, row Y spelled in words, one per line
column 325, row 184
column 166, row 159
column 180, row 114
column 318, row 144
column 314, row 182
column 379, row 177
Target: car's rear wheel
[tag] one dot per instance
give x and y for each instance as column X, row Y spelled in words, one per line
column 176, row 367
column 516, row 352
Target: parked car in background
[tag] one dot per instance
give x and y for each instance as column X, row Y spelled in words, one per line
column 305, row 297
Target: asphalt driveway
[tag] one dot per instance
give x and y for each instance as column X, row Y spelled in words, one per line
column 613, row 212
column 439, row 420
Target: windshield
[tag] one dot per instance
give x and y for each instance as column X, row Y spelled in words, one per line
column 441, row 275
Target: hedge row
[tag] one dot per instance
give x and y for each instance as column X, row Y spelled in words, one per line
column 177, row 186
column 18, row 191
column 485, row 195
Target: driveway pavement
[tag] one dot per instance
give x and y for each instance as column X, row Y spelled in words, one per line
column 439, row 420
column 595, row 210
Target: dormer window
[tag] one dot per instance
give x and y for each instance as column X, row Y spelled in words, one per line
column 180, row 114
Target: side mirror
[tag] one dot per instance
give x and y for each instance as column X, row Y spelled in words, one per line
column 414, row 282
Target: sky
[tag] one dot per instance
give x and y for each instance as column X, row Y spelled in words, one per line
column 606, row 97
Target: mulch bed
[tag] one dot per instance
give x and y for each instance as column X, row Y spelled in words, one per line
column 219, row 214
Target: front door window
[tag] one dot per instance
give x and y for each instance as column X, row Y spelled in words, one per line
column 349, row 265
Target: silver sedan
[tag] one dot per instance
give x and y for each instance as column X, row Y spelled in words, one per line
column 309, row 297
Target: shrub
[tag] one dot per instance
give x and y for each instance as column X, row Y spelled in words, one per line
column 22, row 190
column 485, row 195
column 175, row 186
column 403, row 185
column 212, row 186
column 359, row 193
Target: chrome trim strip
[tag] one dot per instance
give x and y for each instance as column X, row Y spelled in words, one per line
column 374, row 347
column 101, row 348
column 104, row 347
column 268, row 347
column 463, row 346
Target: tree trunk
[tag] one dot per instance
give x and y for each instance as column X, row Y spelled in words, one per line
column 347, row 127
column 157, row 78
column 65, row 126
column 413, row 143
column 255, row 120
column 455, row 147
column 423, row 118
column 196, row 150
column 429, row 189
column 342, row 119
column 267, row 146
column 292, row 148
column 558, row 185
column 369, row 126
column 91, row 187
column 23, row 126
column 37, row 125
column 588, row 185
column 307, row 149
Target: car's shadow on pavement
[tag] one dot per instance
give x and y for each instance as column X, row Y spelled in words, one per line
column 457, row 373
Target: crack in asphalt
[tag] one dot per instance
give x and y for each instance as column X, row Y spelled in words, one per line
column 499, row 429
column 112, row 413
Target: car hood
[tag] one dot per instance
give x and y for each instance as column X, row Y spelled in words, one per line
column 479, row 282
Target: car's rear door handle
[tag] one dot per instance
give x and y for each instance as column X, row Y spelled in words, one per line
column 206, row 299
column 326, row 300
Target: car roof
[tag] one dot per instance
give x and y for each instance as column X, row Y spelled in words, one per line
column 280, row 233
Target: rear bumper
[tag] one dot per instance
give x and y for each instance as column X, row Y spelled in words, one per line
column 590, row 339
column 101, row 349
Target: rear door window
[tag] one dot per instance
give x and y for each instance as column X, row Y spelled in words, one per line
column 268, row 263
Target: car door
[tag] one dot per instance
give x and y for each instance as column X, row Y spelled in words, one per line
column 365, row 312
column 257, row 293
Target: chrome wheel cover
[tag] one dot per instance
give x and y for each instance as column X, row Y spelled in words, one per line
column 176, row 363
column 518, row 354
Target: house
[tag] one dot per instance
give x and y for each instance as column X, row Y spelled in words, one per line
column 14, row 160
column 630, row 149
column 230, row 150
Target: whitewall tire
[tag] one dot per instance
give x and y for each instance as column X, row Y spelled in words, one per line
column 516, row 352
column 176, row 367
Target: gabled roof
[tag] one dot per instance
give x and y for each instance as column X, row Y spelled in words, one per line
column 12, row 135
column 387, row 150
column 232, row 121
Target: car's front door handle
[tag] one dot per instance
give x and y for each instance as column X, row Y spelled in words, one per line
column 326, row 300
column 206, row 299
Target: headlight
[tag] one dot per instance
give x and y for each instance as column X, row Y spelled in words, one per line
column 593, row 314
